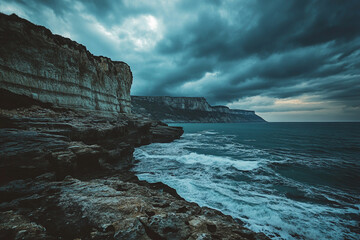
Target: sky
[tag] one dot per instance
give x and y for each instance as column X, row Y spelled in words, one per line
column 289, row 60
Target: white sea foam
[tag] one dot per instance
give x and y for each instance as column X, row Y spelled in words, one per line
column 209, row 132
column 194, row 158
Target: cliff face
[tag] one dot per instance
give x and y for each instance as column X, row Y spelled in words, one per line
column 189, row 109
column 45, row 80
column 50, row 68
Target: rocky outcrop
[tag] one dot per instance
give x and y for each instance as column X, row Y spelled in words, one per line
column 50, row 68
column 189, row 109
column 36, row 140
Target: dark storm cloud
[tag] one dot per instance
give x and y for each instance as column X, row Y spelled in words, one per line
column 223, row 50
column 278, row 26
column 317, row 30
column 60, row 7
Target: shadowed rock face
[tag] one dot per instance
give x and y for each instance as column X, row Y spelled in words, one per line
column 50, row 68
column 189, row 109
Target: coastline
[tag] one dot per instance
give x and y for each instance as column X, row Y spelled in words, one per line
column 84, row 193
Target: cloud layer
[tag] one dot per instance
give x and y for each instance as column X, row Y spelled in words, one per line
column 281, row 58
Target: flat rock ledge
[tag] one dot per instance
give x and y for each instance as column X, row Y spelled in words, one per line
column 67, row 175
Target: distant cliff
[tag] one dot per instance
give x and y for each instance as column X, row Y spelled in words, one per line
column 188, row 109
column 50, row 68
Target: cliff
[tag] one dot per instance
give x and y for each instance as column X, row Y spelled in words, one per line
column 66, row 149
column 189, row 109
column 50, row 68
column 63, row 109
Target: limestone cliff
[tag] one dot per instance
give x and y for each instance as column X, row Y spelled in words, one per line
column 189, row 109
column 50, row 68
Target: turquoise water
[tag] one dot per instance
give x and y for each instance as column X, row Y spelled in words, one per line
column 288, row 180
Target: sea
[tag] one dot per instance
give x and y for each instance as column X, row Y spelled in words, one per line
column 287, row 180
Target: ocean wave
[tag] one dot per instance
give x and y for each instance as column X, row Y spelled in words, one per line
column 279, row 218
column 210, row 132
column 195, row 158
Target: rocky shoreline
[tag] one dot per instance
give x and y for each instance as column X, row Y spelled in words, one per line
column 67, row 175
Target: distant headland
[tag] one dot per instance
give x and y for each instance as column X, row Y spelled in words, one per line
column 189, row 109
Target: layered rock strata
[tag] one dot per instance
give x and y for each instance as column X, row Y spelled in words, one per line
column 189, row 109
column 50, row 68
